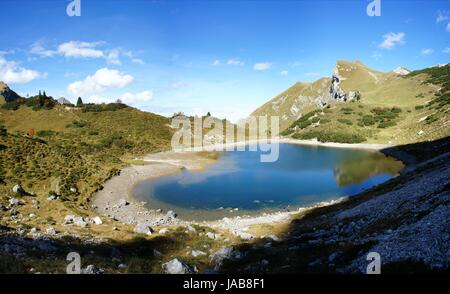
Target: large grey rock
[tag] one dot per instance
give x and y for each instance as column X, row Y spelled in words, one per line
column 18, row 190
column 97, row 220
column 122, row 202
column 197, row 253
column 68, row 219
column 14, row 202
column 171, row 214
column 51, row 231
column 224, row 253
column 79, row 221
column 243, row 235
column 177, row 266
column 143, row 229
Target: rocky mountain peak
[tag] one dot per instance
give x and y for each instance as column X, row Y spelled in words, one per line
column 8, row 94
column 401, row 71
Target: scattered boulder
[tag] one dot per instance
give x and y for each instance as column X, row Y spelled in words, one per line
column 79, row 221
column 50, row 231
column 52, row 197
column 164, row 231
column 243, row 235
column 122, row 202
column 197, row 253
column 35, row 204
column 68, row 219
column 171, row 214
column 18, row 190
column 191, row 229
column 97, row 220
column 224, row 253
column 177, row 266
column 211, row 235
column 14, row 202
column 143, row 229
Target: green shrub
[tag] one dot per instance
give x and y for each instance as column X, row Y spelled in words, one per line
column 3, row 131
column 45, row 133
column 368, row 120
column 325, row 120
column 13, row 105
column 419, row 107
column 345, row 121
column 103, row 107
column 386, row 124
column 77, row 124
column 331, row 136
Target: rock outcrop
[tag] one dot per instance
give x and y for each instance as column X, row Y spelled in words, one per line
column 7, row 94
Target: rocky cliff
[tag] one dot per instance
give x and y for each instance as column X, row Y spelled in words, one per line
column 6, row 94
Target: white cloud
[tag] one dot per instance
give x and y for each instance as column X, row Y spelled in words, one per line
column 390, row 40
column 262, row 66
column 102, row 80
column 448, row 27
column 442, row 16
column 284, row 72
column 426, row 51
column 295, row 64
column 216, row 62
column 376, row 55
column 11, row 73
column 446, row 50
column 38, row 49
column 113, row 57
column 127, row 98
column 138, row 61
column 235, row 61
column 78, row 49
column 130, row 98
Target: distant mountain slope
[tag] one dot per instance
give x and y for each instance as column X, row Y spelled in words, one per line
column 374, row 87
column 6, row 94
column 387, row 107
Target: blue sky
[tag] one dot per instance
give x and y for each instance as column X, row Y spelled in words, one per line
column 226, row 57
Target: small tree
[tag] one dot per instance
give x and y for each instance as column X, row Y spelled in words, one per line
column 208, row 114
column 3, row 131
column 79, row 102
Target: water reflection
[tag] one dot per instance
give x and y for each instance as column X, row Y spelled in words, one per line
column 356, row 170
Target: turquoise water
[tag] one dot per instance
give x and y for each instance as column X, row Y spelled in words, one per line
column 302, row 176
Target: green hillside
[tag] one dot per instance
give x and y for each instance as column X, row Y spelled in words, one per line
column 74, row 147
column 392, row 108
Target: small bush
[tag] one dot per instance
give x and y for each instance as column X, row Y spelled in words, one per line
column 45, row 133
column 345, row 121
column 386, row 124
column 331, row 136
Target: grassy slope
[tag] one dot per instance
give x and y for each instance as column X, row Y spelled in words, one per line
column 82, row 154
column 409, row 93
